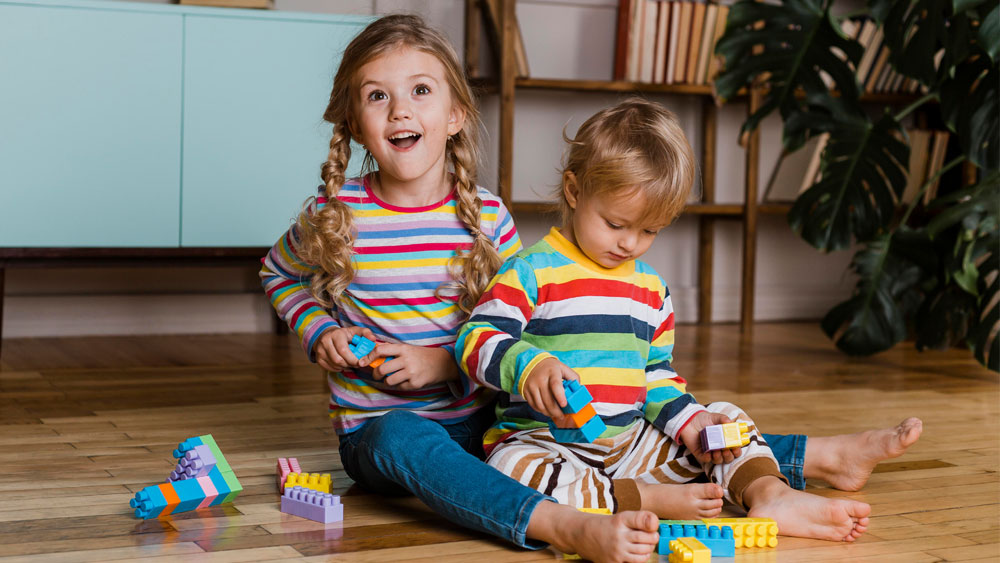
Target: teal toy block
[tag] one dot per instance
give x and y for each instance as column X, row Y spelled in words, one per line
column 577, row 396
column 587, row 434
column 148, row 503
column 190, row 494
column 360, row 346
column 718, row 539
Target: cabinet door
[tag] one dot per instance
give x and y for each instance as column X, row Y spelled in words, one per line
column 254, row 136
column 89, row 127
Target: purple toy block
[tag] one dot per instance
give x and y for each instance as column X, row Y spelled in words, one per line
column 314, row 505
column 196, row 462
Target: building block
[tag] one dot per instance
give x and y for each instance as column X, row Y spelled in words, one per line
column 724, row 436
column 577, row 396
column 590, row 431
column 286, row 466
column 749, row 532
column 314, row 481
column 202, row 478
column 717, row 539
column 361, row 347
column 194, row 463
column 689, row 550
column 321, row 507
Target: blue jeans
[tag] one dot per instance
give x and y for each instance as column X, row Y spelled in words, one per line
column 400, row 453
column 790, row 451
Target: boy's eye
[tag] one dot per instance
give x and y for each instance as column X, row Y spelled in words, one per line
column 421, row 89
column 613, row 225
column 376, row 95
column 651, row 231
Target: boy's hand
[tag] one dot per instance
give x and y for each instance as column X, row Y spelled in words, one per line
column 412, row 367
column 691, row 437
column 332, row 352
column 544, row 389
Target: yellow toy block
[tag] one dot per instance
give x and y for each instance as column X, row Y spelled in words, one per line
column 591, row 511
column 689, row 550
column 749, row 532
column 315, row 481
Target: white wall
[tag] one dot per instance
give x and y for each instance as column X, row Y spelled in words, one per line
column 793, row 280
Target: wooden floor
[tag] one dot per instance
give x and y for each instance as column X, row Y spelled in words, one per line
column 86, row 422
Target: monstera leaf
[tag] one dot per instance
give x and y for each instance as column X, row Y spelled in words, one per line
column 862, row 167
column 788, row 44
column 874, row 318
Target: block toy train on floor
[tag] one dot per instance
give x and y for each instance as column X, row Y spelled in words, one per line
column 202, row 477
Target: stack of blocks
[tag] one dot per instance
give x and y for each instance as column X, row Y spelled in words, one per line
column 749, row 532
column 586, row 426
column 721, row 536
column 313, row 481
column 314, row 505
column 724, row 436
column 286, row 466
column 201, row 478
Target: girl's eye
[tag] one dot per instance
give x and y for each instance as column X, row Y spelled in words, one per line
column 376, row 95
column 421, row 89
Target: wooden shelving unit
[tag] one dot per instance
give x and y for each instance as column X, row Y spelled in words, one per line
column 707, row 211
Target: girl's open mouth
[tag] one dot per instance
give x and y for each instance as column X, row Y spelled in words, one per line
column 404, row 140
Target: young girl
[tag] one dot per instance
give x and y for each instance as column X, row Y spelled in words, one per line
column 579, row 305
column 400, row 255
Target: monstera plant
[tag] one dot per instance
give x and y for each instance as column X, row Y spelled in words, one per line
column 927, row 271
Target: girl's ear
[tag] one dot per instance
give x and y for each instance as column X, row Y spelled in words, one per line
column 571, row 190
column 456, row 119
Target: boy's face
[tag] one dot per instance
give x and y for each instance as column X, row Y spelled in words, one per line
column 609, row 228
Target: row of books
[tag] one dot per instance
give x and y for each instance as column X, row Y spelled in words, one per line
column 800, row 170
column 875, row 73
column 668, row 41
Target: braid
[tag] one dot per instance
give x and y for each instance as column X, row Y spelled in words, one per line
column 473, row 269
column 328, row 234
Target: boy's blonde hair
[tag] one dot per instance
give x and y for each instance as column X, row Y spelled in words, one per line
column 634, row 145
column 328, row 235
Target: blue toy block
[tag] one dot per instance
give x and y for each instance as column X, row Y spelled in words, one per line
column 360, row 346
column 719, row 540
column 577, row 396
column 148, row 503
column 590, row 431
column 190, row 494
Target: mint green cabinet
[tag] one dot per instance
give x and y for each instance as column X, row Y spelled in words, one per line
column 89, row 127
column 146, row 125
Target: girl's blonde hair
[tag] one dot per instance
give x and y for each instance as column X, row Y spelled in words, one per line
column 327, row 236
column 634, row 145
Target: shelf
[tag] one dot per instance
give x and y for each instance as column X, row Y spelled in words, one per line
column 704, row 209
column 610, row 86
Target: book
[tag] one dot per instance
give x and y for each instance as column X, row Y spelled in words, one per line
column 697, row 23
column 675, row 19
column 622, row 38
column 916, row 170
column 795, row 172
column 520, row 54
column 720, row 29
column 683, row 42
column 876, row 70
column 872, row 49
column 635, row 41
column 662, row 23
column 707, row 44
column 648, row 41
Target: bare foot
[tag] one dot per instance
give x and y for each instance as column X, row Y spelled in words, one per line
column 806, row 515
column 846, row 461
column 682, row 502
column 624, row 537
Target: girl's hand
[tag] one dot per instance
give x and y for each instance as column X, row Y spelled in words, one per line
column 332, row 352
column 544, row 388
column 691, row 438
column 412, row 367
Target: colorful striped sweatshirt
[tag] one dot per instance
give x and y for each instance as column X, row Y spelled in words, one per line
column 401, row 256
column 613, row 327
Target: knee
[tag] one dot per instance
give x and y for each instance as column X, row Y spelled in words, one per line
column 396, row 430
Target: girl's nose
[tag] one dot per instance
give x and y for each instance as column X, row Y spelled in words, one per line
column 400, row 110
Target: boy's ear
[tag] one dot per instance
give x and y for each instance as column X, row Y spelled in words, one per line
column 571, row 190
column 456, row 119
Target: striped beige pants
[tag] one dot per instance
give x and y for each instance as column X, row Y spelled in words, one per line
column 605, row 474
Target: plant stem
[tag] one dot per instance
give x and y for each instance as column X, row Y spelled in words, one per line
column 920, row 195
column 912, row 107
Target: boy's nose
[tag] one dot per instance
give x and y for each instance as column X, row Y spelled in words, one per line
column 627, row 243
